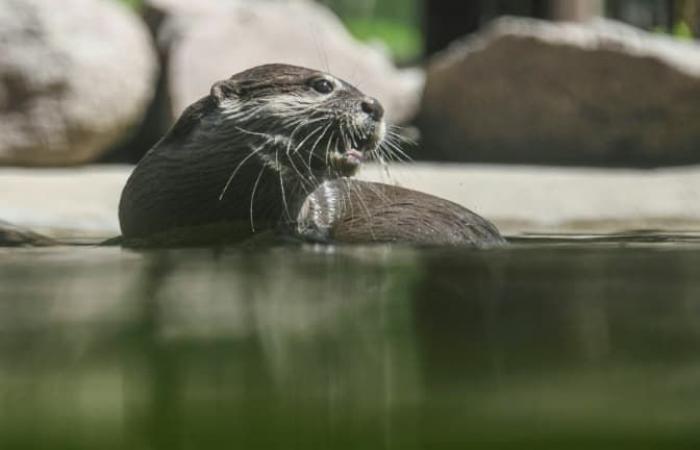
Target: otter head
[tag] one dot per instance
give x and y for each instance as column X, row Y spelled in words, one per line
column 306, row 122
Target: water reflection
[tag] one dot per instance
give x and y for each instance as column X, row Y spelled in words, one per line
column 536, row 346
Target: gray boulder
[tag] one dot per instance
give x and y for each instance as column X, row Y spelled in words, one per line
column 211, row 40
column 75, row 75
column 531, row 91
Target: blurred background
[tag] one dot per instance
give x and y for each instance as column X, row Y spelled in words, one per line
column 586, row 82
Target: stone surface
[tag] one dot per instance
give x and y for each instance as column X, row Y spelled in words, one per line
column 63, row 203
column 522, row 199
column 14, row 236
column 75, row 75
column 524, row 90
column 212, row 40
column 82, row 203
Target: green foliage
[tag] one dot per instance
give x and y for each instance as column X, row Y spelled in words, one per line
column 682, row 30
column 396, row 23
column 133, row 4
column 404, row 41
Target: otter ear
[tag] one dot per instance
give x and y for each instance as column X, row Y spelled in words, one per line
column 222, row 90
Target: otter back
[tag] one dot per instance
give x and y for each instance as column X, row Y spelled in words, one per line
column 355, row 211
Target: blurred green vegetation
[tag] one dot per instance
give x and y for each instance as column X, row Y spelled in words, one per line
column 135, row 4
column 682, row 30
column 396, row 23
column 404, row 42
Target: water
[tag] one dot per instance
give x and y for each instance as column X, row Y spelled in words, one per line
column 554, row 343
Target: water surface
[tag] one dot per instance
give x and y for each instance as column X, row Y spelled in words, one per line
column 556, row 342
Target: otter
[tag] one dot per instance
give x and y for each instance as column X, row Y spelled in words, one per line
column 273, row 148
column 248, row 153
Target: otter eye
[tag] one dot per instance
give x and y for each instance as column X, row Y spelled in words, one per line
column 323, row 86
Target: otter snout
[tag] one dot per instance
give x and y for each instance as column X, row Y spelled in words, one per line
column 369, row 127
column 365, row 133
column 372, row 108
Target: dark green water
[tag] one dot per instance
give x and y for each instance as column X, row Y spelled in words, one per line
column 550, row 344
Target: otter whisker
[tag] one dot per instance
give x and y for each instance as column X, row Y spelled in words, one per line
column 252, row 198
column 344, row 197
column 397, row 138
column 310, row 179
column 382, row 155
column 235, row 171
column 293, row 133
column 305, row 121
column 302, row 177
column 394, row 131
column 298, row 127
column 351, row 189
column 326, row 156
column 282, row 190
column 348, row 197
column 356, row 134
column 254, row 133
column 394, row 140
column 243, row 114
column 315, row 130
column 378, row 192
column 364, row 206
column 386, row 172
column 313, row 147
column 344, row 138
column 392, row 149
column 395, row 150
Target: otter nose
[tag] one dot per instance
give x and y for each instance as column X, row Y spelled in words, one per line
column 372, row 107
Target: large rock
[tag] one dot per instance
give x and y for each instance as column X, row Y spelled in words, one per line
column 530, row 91
column 211, row 40
column 75, row 75
column 14, row 236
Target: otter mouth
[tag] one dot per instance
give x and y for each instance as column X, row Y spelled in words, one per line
column 346, row 161
column 353, row 156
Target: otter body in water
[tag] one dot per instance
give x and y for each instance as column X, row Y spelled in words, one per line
column 271, row 148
